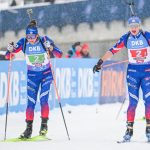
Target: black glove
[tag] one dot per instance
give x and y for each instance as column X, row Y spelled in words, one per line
column 98, row 66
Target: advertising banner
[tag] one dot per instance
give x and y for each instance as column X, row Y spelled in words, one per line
column 75, row 81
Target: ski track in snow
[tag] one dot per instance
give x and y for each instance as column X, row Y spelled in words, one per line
column 91, row 127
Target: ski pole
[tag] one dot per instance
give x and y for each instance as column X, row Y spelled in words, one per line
column 8, row 94
column 30, row 12
column 58, row 96
column 116, row 63
column 132, row 7
column 120, row 109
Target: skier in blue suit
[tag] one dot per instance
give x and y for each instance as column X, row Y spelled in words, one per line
column 39, row 73
column 137, row 43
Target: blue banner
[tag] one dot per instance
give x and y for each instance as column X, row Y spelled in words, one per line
column 17, row 94
column 76, row 84
column 75, row 81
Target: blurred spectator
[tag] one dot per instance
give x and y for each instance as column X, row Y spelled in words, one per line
column 75, row 51
column 79, row 50
column 85, row 51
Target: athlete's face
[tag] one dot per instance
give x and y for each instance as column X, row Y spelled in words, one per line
column 32, row 38
column 134, row 29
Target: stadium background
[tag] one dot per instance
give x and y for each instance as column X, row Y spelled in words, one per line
column 98, row 22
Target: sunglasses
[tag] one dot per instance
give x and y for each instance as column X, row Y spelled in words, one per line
column 134, row 25
column 31, row 36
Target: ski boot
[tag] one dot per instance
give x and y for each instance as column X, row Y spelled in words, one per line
column 129, row 132
column 44, row 127
column 28, row 131
column 148, row 130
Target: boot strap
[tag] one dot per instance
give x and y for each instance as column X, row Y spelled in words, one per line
column 129, row 127
column 147, row 125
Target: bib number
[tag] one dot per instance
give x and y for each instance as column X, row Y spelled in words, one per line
column 34, row 59
column 139, row 55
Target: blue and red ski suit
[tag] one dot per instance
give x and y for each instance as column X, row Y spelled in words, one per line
column 39, row 73
column 138, row 71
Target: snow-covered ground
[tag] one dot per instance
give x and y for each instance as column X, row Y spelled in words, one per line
column 90, row 127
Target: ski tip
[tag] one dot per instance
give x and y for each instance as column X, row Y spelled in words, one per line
column 123, row 141
column 119, row 142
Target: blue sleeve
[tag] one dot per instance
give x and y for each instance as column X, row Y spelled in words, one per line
column 147, row 35
column 17, row 48
column 121, row 43
column 20, row 44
